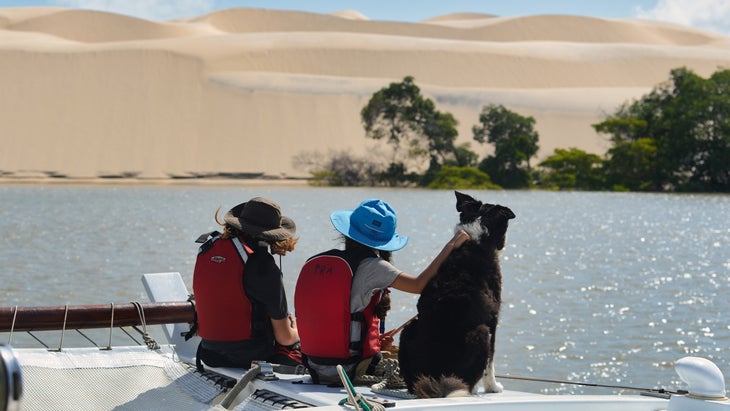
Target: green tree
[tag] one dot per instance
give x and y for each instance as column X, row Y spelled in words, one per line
column 622, row 126
column 687, row 122
column 630, row 165
column 464, row 157
column 515, row 143
column 418, row 132
column 396, row 175
column 699, row 136
column 463, row 178
column 573, row 168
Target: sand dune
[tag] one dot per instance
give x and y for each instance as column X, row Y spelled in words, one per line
column 243, row 91
column 459, row 17
column 350, row 14
column 100, row 27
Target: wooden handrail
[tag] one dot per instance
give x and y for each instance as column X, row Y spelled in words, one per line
column 94, row 316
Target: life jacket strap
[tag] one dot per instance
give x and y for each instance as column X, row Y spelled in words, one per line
column 241, row 249
column 194, row 327
column 357, row 331
column 206, row 236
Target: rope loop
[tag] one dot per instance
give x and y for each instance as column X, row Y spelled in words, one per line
column 63, row 329
column 12, row 326
column 111, row 329
column 151, row 343
column 386, row 379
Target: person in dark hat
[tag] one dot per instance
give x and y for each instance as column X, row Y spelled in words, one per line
column 241, row 305
column 362, row 273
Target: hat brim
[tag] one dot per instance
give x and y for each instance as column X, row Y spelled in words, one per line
column 341, row 221
column 286, row 230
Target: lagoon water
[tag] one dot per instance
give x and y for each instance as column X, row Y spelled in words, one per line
column 603, row 288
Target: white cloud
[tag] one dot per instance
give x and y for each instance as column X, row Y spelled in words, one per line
column 705, row 14
column 147, row 9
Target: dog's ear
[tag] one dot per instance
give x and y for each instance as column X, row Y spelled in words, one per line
column 506, row 212
column 500, row 213
column 465, row 202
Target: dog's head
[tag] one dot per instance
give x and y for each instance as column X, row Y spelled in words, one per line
column 483, row 222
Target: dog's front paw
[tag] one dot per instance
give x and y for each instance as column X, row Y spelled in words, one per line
column 492, row 386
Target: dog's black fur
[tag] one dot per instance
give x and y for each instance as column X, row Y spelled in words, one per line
column 458, row 309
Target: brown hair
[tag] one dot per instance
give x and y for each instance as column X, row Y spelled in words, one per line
column 281, row 247
column 228, row 230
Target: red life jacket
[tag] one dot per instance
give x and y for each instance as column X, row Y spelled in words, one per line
column 329, row 332
column 224, row 312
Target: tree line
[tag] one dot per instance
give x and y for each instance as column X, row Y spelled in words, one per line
column 675, row 138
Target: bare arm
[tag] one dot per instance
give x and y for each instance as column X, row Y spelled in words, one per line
column 410, row 284
column 285, row 330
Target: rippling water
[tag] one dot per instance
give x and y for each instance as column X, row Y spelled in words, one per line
column 605, row 288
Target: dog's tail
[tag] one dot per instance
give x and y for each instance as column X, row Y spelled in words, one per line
column 444, row 386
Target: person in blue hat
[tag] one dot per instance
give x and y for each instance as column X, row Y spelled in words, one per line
column 342, row 295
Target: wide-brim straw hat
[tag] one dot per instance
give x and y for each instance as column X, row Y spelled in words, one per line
column 261, row 218
column 372, row 224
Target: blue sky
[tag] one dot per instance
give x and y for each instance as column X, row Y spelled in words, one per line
column 705, row 14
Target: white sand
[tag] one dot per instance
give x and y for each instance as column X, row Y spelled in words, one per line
column 88, row 94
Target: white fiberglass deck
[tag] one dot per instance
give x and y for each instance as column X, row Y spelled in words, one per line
column 136, row 378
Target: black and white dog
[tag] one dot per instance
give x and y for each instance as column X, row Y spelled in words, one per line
column 450, row 346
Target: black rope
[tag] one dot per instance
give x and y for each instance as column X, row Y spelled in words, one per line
column 37, row 339
column 588, row 384
column 130, row 335
column 87, row 338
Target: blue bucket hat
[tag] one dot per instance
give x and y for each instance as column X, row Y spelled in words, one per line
column 372, row 224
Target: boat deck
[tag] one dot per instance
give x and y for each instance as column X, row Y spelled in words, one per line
column 91, row 370
column 138, row 378
column 301, row 389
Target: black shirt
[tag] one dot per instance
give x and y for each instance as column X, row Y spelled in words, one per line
column 263, row 282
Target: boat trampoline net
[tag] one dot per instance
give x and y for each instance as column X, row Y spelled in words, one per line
column 126, row 379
